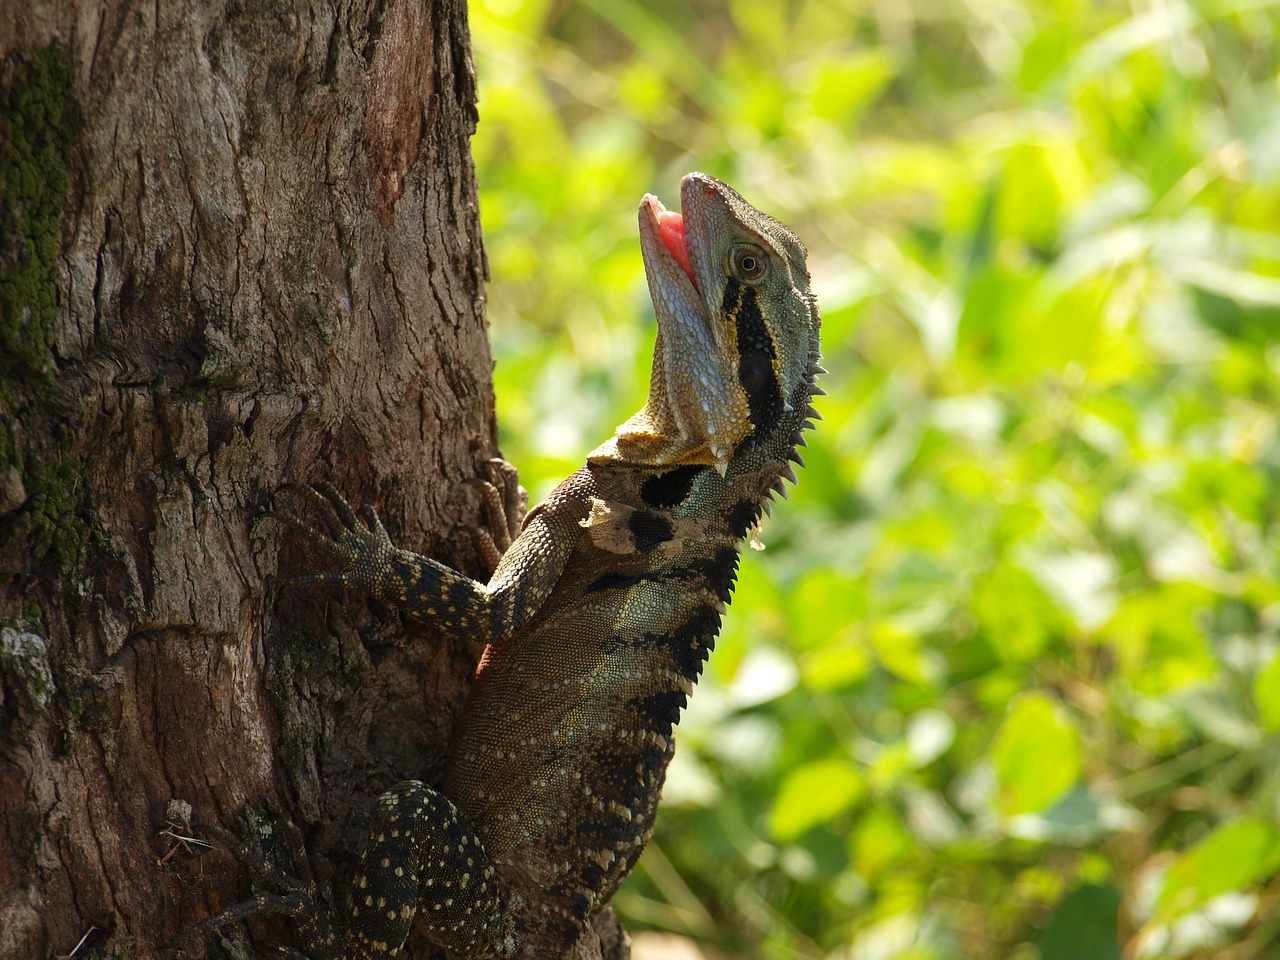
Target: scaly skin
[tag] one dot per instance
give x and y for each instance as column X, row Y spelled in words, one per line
column 598, row 617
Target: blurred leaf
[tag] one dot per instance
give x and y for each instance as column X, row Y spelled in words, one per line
column 835, row 666
column 763, row 674
column 1040, row 180
column 930, row 734
column 1159, row 643
column 900, row 651
column 1036, row 755
column 1015, row 615
column 812, row 794
column 1084, row 926
column 1079, row 817
column 879, row 841
column 841, row 89
column 1266, row 693
column 1237, row 318
column 824, row 608
column 1234, row 854
column 1083, row 581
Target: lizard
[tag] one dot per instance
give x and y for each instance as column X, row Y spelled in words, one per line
column 598, row 618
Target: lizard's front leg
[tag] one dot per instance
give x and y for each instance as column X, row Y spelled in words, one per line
column 367, row 560
column 426, row 589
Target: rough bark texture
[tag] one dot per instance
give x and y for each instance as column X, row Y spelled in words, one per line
column 239, row 246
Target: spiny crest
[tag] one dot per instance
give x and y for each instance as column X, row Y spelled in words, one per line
column 793, row 455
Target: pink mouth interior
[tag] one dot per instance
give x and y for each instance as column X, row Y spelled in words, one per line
column 671, row 230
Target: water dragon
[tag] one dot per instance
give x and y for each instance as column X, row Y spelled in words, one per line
column 602, row 609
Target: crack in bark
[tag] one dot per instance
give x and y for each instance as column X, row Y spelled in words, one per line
column 242, row 222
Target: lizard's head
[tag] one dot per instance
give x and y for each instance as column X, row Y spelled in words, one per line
column 737, row 330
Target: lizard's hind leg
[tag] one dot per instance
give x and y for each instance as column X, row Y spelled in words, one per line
column 423, row 860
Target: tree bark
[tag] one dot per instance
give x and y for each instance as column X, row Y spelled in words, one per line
column 239, row 246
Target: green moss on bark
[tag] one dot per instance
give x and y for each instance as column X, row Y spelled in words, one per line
column 57, row 531
column 39, row 120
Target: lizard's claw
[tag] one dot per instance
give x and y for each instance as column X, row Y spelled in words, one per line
column 504, row 503
column 285, row 895
column 357, row 544
column 362, row 557
column 515, row 498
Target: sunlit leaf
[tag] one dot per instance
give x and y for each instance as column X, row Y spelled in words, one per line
column 879, row 840
column 1015, row 615
column 901, row 652
column 812, row 794
column 1036, row 755
column 842, row 88
column 1232, row 856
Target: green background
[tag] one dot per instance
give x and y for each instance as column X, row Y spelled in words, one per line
column 1004, row 682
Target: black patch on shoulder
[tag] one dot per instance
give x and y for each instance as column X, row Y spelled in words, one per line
column 613, row 581
column 742, row 517
column 756, row 354
column 670, row 488
column 649, row 529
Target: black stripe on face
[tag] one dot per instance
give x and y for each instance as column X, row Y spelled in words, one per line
column 755, row 357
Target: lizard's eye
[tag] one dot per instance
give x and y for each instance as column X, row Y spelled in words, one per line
column 749, row 263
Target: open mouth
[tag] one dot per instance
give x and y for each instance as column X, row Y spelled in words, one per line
column 671, row 233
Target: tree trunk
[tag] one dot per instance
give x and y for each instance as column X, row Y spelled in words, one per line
column 239, row 246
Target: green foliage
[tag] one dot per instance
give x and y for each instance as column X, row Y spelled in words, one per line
column 1083, row 927
column 1012, row 656
column 814, row 793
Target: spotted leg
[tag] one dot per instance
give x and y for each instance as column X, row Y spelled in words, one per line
column 421, row 860
column 364, row 558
